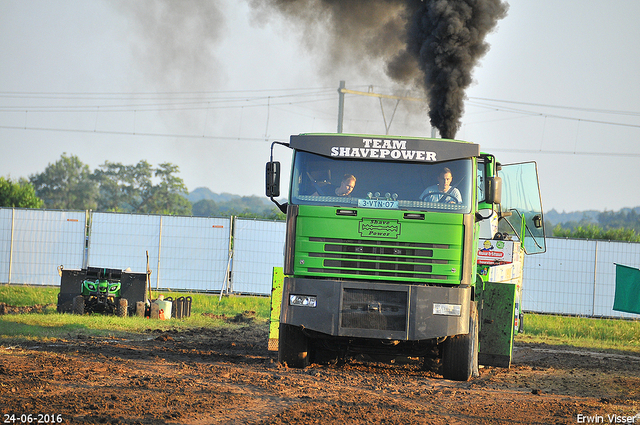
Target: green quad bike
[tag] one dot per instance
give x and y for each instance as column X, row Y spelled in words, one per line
column 100, row 296
column 102, row 290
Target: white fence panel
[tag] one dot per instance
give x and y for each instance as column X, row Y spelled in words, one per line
column 560, row 280
column 119, row 241
column 258, row 247
column 43, row 241
column 576, row 276
column 6, row 215
column 189, row 253
column 610, row 253
column 194, row 253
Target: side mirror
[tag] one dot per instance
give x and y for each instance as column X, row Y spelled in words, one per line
column 273, row 179
column 537, row 221
column 494, row 190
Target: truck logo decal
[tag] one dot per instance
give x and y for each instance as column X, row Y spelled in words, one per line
column 379, row 228
column 381, row 148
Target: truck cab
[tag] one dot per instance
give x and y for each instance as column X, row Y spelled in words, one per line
column 391, row 267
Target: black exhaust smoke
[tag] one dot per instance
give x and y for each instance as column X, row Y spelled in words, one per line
column 431, row 44
column 447, row 39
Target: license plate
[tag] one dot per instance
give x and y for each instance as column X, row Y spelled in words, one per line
column 377, row 203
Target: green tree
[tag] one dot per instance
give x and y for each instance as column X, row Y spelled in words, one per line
column 247, row 207
column 624, row 218
column 66, row 184
column 593, row 231
column 205, row 208
column 122, row 186
column 131, row 188
column 274, row 214
column 169, row 196
column 20, row 194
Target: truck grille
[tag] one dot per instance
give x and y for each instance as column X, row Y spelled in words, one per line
column 379, row 258
column 374, row 309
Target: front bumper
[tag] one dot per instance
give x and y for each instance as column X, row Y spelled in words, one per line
column 379, row 311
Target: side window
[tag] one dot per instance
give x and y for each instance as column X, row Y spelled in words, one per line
column 480, row 180
column 521, row 196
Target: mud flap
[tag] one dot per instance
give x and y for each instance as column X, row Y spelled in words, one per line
column 276, row 300
column 497, row 327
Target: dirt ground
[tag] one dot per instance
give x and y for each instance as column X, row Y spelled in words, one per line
column 227, row 376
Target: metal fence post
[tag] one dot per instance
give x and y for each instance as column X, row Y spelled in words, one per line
column 229, row 282
column 595, row 275
column 159, row 253
column 226, row 285
column 13, row 220
column 87, row 238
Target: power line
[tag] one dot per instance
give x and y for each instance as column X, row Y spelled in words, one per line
column 154, row 93
column 262, row 139
column 574, row 108
column 551, row 152
column 169, row 106
column 238, row 99
column 562, row 117
column 135, row 133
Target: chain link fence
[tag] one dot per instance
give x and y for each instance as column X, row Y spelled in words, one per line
column 576, row 277
column 237, row 255
column 183, row 253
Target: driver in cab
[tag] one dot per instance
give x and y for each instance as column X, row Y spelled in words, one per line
column 442, row 192
column 347, row 184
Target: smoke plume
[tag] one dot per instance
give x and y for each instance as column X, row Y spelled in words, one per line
column 430, row 44
column 447, row 39
column 177, row 40
column 343, row 34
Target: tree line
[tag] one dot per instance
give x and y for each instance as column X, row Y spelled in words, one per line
column 69, row 184
column 623, row 225
column 141, row 188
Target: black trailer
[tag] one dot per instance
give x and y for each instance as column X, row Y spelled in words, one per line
column 133, row 290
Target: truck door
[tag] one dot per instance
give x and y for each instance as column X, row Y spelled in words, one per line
column 502, row 299
column 521, row 197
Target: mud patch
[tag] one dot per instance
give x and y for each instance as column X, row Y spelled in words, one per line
column 244, row 317
column 11, row 309
column 227, row 376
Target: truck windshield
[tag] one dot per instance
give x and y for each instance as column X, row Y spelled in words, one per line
column 442, row 186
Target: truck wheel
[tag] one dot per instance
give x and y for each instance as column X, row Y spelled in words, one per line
column 123, row 305
column 460, row 352
column 293, row 348
column 78, row 305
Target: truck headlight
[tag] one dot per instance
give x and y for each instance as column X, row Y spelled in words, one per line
column 302, row 300
column 446, row 309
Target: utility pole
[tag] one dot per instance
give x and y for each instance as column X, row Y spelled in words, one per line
column 342, row 90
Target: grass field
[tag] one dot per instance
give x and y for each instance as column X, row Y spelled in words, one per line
column 598, row 334
column 50, row 325
column 601, row 334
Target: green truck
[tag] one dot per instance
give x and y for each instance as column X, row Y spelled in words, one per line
column 402, row 247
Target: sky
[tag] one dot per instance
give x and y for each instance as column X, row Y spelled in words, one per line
column 208, row 85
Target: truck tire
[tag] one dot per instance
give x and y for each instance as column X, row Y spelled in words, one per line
column 460, row 352
column 293, row 347
column 78, row 305
column 123, row 306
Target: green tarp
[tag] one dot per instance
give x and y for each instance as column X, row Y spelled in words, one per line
column 627, row 296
